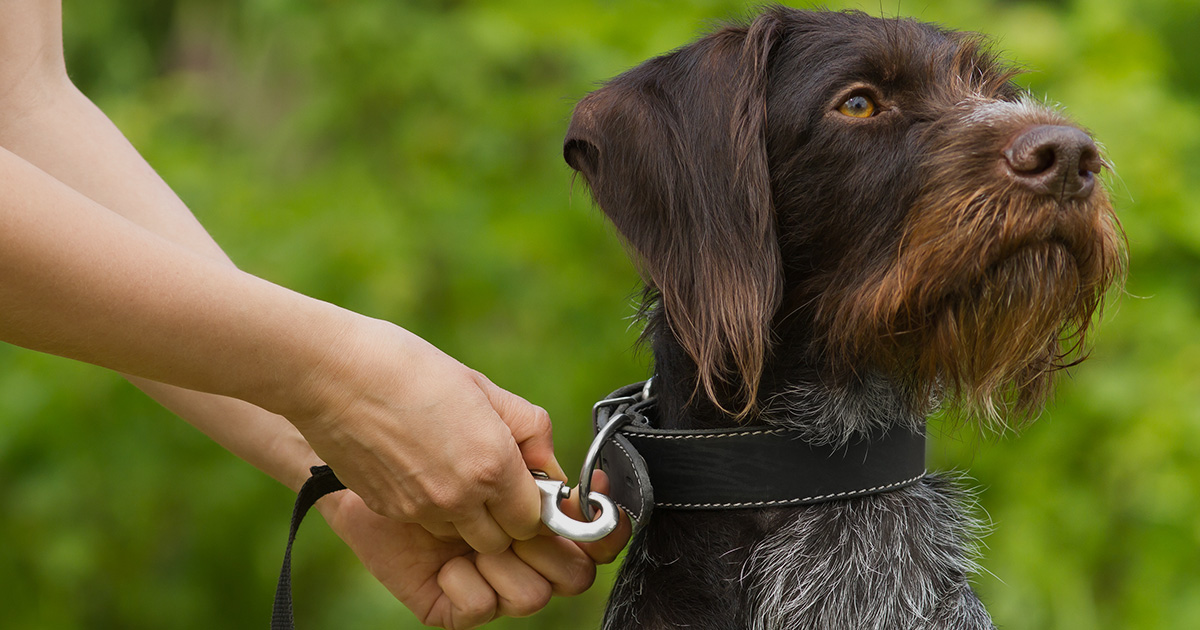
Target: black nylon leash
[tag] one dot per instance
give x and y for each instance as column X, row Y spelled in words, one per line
column 321, row 483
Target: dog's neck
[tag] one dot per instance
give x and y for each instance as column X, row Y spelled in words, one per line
column 794, row 393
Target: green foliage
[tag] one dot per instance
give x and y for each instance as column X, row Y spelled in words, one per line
column 403, row 159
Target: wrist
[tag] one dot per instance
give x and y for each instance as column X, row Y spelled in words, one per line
column 359, row 358
column 301, row 365
column 294, row 460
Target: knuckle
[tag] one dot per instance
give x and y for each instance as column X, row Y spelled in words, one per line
column 492, row 545
column 474, row 380
column 540, row 420
column 527, row 530
column 405, row 509
column 427, row 513
column 479, row 604
column 581, row 574
column 532, row 598
column 489, row 472
column 446, row 499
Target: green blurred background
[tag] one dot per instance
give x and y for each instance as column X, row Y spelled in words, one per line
column 403, row 159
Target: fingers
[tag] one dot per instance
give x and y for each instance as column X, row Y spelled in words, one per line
column 564, row 565
column 518, row 508
column 444, row 532
column 530, row 426
column 483, row 533
column 470, row 601
column 511, row 506
column 517, row 582
column 520, row 589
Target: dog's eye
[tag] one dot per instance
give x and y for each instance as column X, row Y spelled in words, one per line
column 858, row 106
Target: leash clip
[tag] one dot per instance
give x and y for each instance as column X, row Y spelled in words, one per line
column 553, row 493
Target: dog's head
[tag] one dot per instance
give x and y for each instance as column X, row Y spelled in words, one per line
column 863, row 193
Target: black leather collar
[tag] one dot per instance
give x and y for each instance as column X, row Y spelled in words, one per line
column 749, row 467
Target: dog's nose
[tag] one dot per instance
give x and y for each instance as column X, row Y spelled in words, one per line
column 1054, row 160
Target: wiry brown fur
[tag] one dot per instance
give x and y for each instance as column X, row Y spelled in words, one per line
column 708, row 248
column 990, row 290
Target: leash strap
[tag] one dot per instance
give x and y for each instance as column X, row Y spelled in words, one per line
column 748, row 467
column 321, row 483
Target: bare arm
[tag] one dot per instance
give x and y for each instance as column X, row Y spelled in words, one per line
column 50, row 124
column 46, row 121
column 109, row 265
column 134, row 283
column 81, row 278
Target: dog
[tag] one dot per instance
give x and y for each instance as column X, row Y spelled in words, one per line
column 844, row 223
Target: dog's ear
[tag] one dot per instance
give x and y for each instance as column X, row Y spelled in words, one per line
column 673, row 151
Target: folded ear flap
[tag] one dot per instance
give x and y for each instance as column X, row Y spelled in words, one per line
column 674, row 153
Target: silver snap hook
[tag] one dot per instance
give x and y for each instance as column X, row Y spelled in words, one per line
column 553, row 493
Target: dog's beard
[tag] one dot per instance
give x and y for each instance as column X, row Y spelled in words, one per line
column 991, row 292
column 999, row 343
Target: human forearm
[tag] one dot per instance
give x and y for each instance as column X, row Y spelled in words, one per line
column 80, row 281
column 420, row 436
column 49, row 123
column 417, row 434
column 73, row 141
column 263, row 439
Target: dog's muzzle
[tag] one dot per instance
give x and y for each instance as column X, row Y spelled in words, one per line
column 747, row 467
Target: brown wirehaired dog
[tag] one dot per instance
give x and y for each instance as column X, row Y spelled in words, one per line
column 844, row 222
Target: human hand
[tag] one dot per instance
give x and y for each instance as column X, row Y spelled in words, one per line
column 423, row 439
column 446, row 584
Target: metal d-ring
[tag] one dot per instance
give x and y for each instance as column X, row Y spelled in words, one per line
column 648, row 387
column 554, row 492
column 613, row 425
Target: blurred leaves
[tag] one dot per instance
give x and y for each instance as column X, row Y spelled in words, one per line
column 403, row 159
